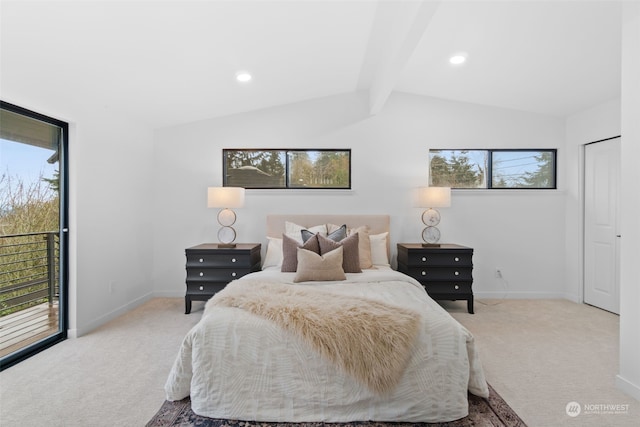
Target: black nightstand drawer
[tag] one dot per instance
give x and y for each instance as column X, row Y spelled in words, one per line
column 438, row 273
column 215, row 275
column 200, row 260
column 439, row 259
column 205, row 288
column 448, row 288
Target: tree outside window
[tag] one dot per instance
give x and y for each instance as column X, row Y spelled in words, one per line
column 493, row 169
column 275, row 168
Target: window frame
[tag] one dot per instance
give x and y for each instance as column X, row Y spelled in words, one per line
column 287, row 167
column 489, row 166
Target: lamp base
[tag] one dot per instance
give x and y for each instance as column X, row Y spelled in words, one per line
column 431, row 245
column 226, row 245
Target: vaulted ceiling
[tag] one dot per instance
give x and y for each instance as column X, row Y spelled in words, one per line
column 170, row 62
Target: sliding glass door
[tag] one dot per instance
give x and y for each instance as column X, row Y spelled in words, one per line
column 33, row 232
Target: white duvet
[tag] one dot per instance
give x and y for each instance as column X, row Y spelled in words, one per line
column 236, row 365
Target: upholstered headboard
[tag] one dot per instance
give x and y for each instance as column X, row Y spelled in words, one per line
column 377, row 223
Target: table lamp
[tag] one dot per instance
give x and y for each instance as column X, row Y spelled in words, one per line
column 226, row 198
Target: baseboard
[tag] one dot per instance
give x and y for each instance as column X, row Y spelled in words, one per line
column 168, row 294
column 628, row 387
column 573, row 298
column 78, row 332
column 518, row 295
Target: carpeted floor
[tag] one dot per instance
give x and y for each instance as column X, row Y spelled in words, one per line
column 491, row 412
column 539, row 355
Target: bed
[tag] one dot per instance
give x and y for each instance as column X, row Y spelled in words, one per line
column 305, row 345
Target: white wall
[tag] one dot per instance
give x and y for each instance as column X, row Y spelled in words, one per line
column 629, row 377
column 595, row 124
column 111, row 232
column 616, row 117
column 521, row 232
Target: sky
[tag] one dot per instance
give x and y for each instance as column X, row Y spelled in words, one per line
column 25, row 162
column 511, row 165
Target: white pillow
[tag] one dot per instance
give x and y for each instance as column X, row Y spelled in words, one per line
column 379, row 255
column 293, row 230
column 273, row 257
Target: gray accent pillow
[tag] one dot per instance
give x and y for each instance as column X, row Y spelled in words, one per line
column 315, row 267
column 290, row 251
column 350, row 256
column 336, row 235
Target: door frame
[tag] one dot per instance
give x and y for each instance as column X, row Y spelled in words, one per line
column 583, row 244
column 63, row 273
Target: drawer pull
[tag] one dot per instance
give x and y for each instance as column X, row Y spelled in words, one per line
column 456, row 287
column 233, row 274
column 201, row 274
column 456, row 259
column 202, row 288
column 424, row 273
column 456, row 273
column 233, row 260
column 424, row 259
column 200, row 260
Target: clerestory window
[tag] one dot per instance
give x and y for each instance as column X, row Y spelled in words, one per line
column 493, row 169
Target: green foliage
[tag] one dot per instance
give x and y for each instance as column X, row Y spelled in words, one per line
column 267, row 168
column 270, row 162
column 543, row 176
column 330, row 169
column 54, row 183
column 512, row 175
column 509, row 168
column 28, row 208
column 455, row 172
column 25, row 209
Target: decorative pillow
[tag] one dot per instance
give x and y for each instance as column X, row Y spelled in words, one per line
column 314, row 267
column 364, row 243
column 290, row 251
column 350, row 257
column 273, row 257
column 292, row 229
column 336, row 235
column 379, row 255
column 306, row 234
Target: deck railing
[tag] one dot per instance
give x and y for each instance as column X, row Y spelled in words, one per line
column 28, row 270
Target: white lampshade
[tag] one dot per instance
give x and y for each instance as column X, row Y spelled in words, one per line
column 225, row 197
column 434, row 197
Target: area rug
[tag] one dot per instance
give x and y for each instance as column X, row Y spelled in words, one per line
column 491, row 412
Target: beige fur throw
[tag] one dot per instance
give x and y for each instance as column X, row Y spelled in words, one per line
column 369, row 340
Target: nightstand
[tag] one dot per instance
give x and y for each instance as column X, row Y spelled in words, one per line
column 210, row 268
column 445, row 271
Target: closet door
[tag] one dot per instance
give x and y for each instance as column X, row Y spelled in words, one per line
column 601, row 233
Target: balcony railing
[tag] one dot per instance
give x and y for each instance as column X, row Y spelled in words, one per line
column 29, row 289
column 28, row 271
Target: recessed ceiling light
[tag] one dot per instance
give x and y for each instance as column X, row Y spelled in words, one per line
column 243, row 76
column 458, row 59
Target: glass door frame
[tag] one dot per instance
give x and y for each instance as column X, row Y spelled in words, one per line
column 63, row 273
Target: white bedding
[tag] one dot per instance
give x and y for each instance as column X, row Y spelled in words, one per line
column 236, row 365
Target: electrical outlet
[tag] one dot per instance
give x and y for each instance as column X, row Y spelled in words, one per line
column 498, row 273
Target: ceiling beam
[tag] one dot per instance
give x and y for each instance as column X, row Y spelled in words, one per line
column 398, row 28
